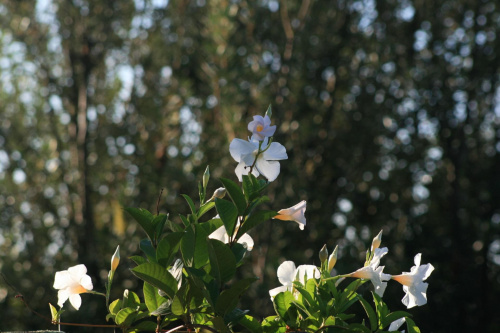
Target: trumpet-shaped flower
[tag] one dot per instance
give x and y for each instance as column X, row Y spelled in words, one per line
column 248, row 155
column 287, row 273
column 71, row 283
column 295, row 213
column 260, row 127
column 374, row 272
column 413, row 283
column 221, row 234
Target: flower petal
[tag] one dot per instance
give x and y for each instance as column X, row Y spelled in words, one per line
column 77, row 271
column 220, row 234
column 86, row 282
column 62, row 280
column 75, row 300
column 286, row 273
column 62, row 296
column 309, row 271
column 247, row 240
column 276, row 291
column 239, row 147
column 269, row 169
column 275, row 152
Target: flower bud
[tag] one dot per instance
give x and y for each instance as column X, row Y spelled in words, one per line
column 206, row 177
column 219, row 193
column 376, row 241
column 115, row 259
column 323, row 254
column 332, row 260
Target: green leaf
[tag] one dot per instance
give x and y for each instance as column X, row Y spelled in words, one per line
column 228, row 214
column 392, row 317
column 138, row 260
column 372, row 316
column 194, row 243
column 115, row 306
column 380, row 306
column 222, row 261
column 148, row 249
column 144, row 218
column 130, row 299
column 174, row 227
column 125, row 317
column 412, row 328
column 254, row 220
column 358, row 328
column 228, row 299
column 236, row 195
column 251, row 324
column 177, row 306
column 190, row 203
column 145, row 326
column 159, row 223
column 250, row 187
column 239, row 252
column 151, row 297
column 284, row 307
column 157, row 276
column 206, row 208
column 167, row 247
column 185, row 220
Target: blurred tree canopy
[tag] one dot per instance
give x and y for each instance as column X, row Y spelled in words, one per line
column 390, row 112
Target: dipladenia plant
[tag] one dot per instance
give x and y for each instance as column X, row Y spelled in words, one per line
column 188, row 265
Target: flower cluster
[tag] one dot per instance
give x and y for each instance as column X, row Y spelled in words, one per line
column 413, row 282
column 189, row 269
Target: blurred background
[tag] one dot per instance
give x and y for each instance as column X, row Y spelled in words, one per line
column 390, row 112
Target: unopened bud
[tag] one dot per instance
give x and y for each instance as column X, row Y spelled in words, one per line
column 206, row 177
column 376, row 241
column 115, row 259
column 323, row 254
column 220, row 193
column 269, row 111
column 332, row 260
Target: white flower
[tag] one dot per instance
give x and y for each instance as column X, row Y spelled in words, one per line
column 374, row 273
column 260, row 127
column 221, row 234
column 413, row 283
column 71, row 284
column 295, row 213
column 245, row 152
column 396, row 324
column 287, row 273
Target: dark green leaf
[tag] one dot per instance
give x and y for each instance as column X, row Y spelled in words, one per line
column 138, row 260
column 206, row 208
column 144, row 218
column 393, row 316
column 236, row 195
column 412, row 328
column 177, row 306
column 228, row 299
column 228, row 213
column 372, row 316
column 222, row 261
column 254, row 220
column 148, row 249
column 145, row 326
column 159, row 223
column 284, row 307
column 157, row 276
column 190, row 203
column 167, row 247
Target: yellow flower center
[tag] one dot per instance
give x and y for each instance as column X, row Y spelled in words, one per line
column 406, row 280
column 78, row 290
column 260, row 128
